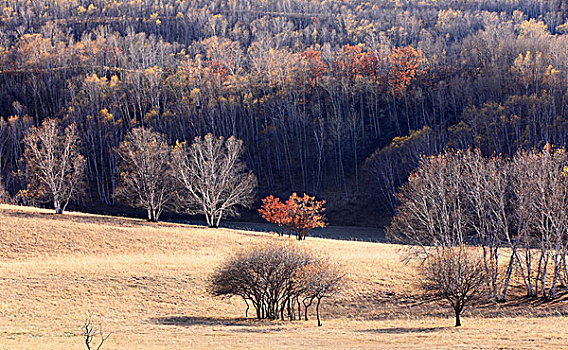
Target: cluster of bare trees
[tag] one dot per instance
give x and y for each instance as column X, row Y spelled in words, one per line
column 208, row 177
column 515, row 208
column 278, row 280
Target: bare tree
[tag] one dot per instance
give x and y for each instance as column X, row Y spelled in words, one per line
column 145, row 171
column 90, row 333
column 541, row 192
column 215, row 178
column 487, row 189
column 432, row 210
column 456, row 275
column 317, row 280
column 55, row 165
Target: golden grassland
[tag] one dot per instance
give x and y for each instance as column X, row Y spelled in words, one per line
column 146, row 283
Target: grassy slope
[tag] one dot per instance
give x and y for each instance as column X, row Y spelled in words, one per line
column 146, row 283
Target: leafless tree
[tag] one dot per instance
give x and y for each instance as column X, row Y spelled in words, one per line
column 541, row 191
column 456, row 275
column 431, row 208
column 145, row 171
column 216, row 180
column 90, row 333
column 55, row 166
column 317, row 280
column 488, row 191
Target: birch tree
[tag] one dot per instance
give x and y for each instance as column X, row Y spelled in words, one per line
column 145, row 171
column 55, row 166
column 216, row 180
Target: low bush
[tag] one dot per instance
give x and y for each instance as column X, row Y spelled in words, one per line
column 276, row 279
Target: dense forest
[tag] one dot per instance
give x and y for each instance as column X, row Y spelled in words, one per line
column 335, row 98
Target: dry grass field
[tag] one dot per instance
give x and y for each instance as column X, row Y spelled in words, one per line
column 146, row 283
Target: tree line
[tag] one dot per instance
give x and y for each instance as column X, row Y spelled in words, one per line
column 313, row 89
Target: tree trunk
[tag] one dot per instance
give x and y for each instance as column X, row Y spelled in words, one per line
column 507, row 278
column 218, row 221
column 151, row 215
column 318, row 312
column 458, row 320
column 306, row 306
column 57, row 205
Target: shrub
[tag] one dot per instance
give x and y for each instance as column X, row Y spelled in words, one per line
column 274, row 279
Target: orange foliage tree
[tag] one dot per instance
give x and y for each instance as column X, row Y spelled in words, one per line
column 297, row 215
column 404, row 67
column 274, row 211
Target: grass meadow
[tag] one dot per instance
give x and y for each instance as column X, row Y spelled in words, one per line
column 146, row 284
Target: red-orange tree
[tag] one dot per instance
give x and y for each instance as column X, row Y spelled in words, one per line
column 297, row 215
column 274, row 211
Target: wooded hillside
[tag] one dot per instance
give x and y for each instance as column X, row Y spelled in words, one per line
column 334, row 98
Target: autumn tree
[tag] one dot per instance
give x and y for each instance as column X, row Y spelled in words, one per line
column 304, row 213
column 145, row 171
column 55, row 166
column 297, row 215
column 456, row 275
column 216, row 180
column 275, row 212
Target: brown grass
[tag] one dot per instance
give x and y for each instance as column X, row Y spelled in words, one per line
column 146, row 283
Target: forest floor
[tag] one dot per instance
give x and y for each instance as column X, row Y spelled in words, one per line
column 145, row 283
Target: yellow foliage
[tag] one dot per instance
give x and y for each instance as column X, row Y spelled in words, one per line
column 91, row 9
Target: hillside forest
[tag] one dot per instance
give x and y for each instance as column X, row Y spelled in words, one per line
column 335, row 98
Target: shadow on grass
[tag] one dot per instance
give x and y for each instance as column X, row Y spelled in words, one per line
column 200, row 321
column 78, row 217
column 207, row 321
column 405, row 330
